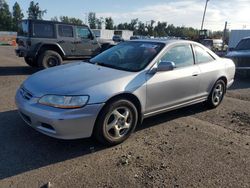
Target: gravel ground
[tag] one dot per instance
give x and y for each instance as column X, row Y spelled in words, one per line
column 189, row 147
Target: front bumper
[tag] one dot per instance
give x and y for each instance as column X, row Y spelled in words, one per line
column 230, row 83
column 58, row 123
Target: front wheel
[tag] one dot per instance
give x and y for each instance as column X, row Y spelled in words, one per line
column 116, row 122
column 217, row 94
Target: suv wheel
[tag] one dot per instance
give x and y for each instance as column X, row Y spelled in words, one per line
column 217, row 94
column 49, row 59
column 30, row 61
column 116, row 122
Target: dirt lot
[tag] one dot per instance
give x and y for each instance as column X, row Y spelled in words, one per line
column 191, row 147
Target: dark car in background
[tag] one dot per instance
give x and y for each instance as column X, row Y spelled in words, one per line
column 241, row 56
column 47, row 43
column 117, row 38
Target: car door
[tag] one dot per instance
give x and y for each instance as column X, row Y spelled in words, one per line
column 66, row 39
column 85, row 43
column 209, row 69
column 175, row 87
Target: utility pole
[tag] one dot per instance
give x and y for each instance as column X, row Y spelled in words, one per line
column 224, row 35
column 203, row 18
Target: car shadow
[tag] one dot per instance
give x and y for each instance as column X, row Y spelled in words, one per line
column 17, row 70
column 171, row 115
column 23, row 149
column 240, row 83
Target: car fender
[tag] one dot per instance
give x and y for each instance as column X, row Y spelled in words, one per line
column 41, row 45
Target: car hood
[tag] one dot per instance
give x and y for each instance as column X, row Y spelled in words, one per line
column 241, row 53
column 81, row 79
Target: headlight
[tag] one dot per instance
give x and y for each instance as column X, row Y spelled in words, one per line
column 64, row 101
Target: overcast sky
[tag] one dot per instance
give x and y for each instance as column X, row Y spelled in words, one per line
column 178, row 12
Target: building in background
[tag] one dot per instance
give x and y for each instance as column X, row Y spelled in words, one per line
column 103, row 33
column 124, row 34
column 106, row 34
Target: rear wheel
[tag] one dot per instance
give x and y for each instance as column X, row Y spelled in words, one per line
column 30, row 61
column 49, row 59
column 116, row 122
column 217, row 94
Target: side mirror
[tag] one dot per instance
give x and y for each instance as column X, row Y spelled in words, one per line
column 166, row 66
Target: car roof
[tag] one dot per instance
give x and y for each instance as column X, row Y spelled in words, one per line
column 53, row 22
column 166, row 41
column 176, row 41
column 246, row 38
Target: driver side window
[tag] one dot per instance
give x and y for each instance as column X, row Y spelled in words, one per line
column 181, row 55
column 83, row 33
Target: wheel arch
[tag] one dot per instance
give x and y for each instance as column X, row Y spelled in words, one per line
column 224, row 78
column 128, row 96
column 54, row 47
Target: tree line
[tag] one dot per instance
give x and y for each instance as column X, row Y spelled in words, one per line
column 9, row 22
column 9, row 19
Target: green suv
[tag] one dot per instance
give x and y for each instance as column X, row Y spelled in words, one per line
column 47, row 43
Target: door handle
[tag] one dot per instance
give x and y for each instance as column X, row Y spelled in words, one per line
column 195, row 74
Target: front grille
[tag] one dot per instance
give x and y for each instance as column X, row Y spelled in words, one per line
column 25, row 94
column 47, row 126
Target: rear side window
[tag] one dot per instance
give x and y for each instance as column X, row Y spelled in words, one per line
column 83, row 33
column 181, row 55
column 202, row 56
column 65, row 31
column 44, row 30
column 23, row 28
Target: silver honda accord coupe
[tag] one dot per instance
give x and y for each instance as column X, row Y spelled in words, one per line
column 113, row 92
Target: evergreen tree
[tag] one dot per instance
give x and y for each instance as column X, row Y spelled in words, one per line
column 17, row 16
column 5, row 16
column 71, row 20
column 92, row 20
column 109, row 23
column 34, row 11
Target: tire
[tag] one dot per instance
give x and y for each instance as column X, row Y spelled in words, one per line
column 116, row 122
column 217, row 94
column 31, row 62
column 49, row 58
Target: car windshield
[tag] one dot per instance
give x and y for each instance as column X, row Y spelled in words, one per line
column 129, row 56
column 243, row 45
